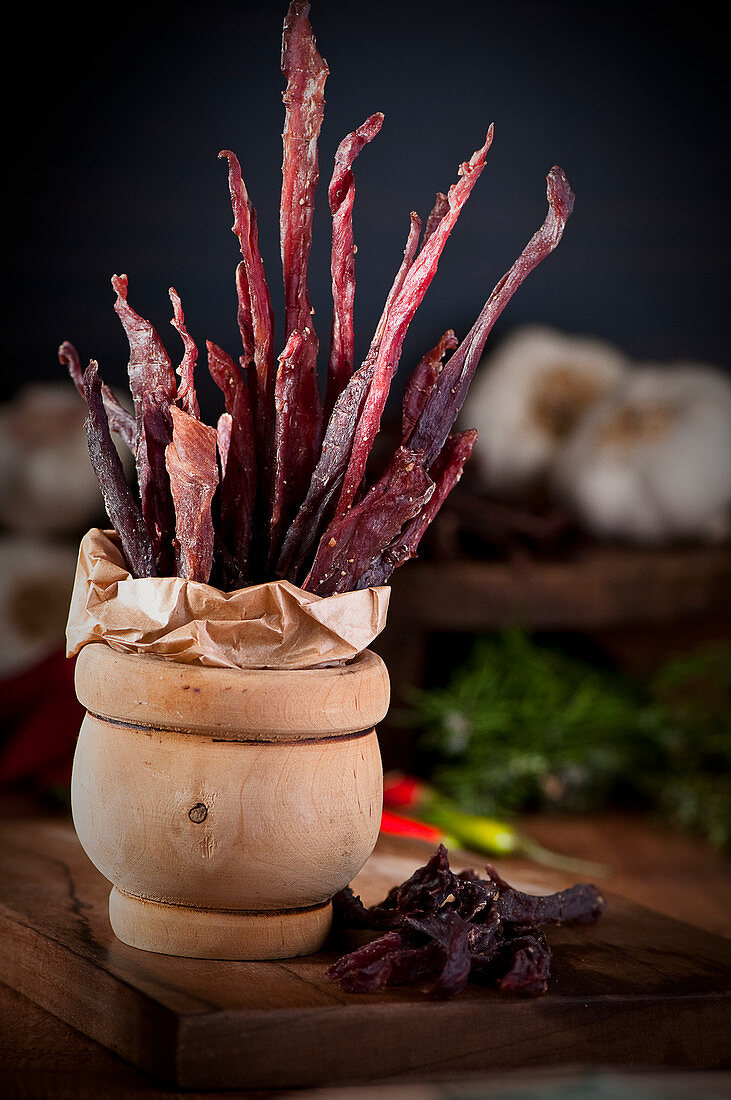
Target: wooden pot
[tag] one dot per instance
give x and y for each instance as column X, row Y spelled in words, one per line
column 226, row 806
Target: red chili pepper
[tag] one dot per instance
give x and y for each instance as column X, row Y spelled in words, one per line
column 396, row 825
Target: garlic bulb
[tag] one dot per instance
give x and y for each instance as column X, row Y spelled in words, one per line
column 36, row 579
column 526, row 397
column 652, row 461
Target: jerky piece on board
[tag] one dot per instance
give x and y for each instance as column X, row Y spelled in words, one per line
column 421, row 382
column 237, row 490
column 341, row 196
column 304, row 533
column 581, row 904
column 401, row 313
column 445, row 472
column 192, row 464
column 352, row 542
column 447, row 396
column 529, row 967
column 186, row 395
column 120, row 419
column 122, row 508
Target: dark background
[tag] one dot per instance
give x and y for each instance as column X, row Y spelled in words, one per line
column 116, row 117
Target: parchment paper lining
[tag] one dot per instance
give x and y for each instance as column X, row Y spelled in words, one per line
column 273, row 625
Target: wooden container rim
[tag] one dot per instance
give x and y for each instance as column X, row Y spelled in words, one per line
column 246, row 704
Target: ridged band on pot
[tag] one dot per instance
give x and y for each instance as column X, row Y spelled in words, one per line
column 249, row 792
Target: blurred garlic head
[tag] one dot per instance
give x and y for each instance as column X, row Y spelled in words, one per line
column 46, row 481
column 526, row 398
column 36, row 579
column 652, row 461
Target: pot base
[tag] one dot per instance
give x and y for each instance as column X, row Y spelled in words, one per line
column 218, row 933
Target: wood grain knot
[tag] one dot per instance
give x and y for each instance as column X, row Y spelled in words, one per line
column 198, row 813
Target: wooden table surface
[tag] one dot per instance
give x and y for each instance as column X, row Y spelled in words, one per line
column 42, row 1057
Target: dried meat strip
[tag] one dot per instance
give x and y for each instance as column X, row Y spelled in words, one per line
column 341, row 195
column 186, row 395
column 150, row 369
column 154, row 484
column 352, row 542
column 445, row 472
column 304, row 101
column 304, row 532
column 289, row 474
column 447, row 395
column 421, row 382
column 256, row 318
column 237, row 490
column 120, row 419
column 121, row 506
column 192, row 464
column 415, row 286
column 224, row 427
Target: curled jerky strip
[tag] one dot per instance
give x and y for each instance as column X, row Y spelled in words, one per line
column 353, row 541
column 304, row 100
column 447, row 395
column 445, row 472
column 341, row 196
column 304, row 532
column 415, row 286
column 256, row 319
column 237, row 490
column 120, row 419
column 122, row 509
column 422, row 381
column 186, row 395
column 192, row 464
column 154, row 484
column 149, row 367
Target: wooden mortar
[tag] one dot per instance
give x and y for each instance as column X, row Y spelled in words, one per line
column 226, row 806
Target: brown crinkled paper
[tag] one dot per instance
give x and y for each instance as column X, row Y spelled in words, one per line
column 273, row 625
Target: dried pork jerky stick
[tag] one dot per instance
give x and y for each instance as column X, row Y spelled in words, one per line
column 186, row 395
column 154, row 485
column 237, row 490
column 448, row 394
column 305, row 530
column 415, row 286
column 256, row 319
column 422, row 381
column 149, row 364
column 341, row 196
column 192, row 464
column 288, row 444
column 352, row 542
column 122, row 508
column 445, row 472
column 120, row 419
column 224, row 427
column 304, row 101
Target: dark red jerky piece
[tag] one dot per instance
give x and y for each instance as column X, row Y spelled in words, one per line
column 421, row 383
column 224, row 427
column 304, row 101
column 122, row 509
column 351, row 543
column 582, row 904
column 237, row 490
column 415, row 285
column 445, row 928
column 341, row 195
column 304, row 532
column 256, row 319
column 192, row 464
column 289, row 471
column 186, row 395
column 149, row 367
column 154, row 484
column 445, row 473
column 447, row 396
column 440, row 208
column 120, row 419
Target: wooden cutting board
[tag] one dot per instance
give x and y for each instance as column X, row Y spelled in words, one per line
column 635, row 989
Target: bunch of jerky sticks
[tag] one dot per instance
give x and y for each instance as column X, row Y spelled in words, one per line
column 278, row 489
